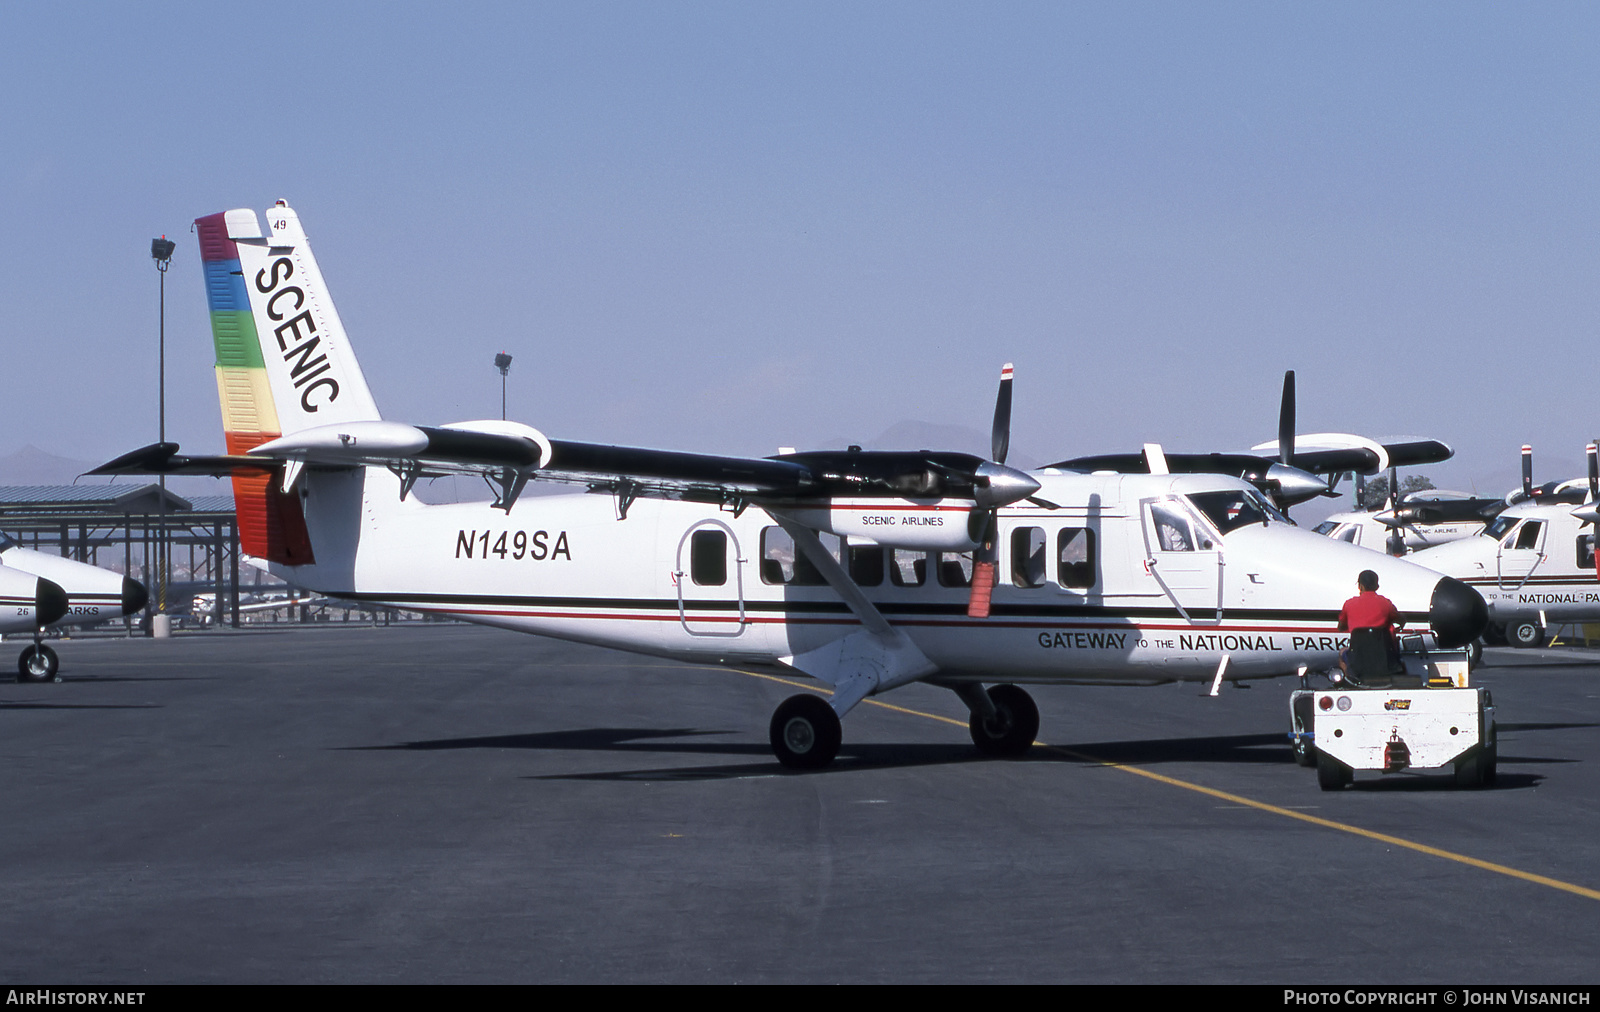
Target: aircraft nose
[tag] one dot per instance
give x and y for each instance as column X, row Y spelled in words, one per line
column 50, row 602
column 134, row 596
column 1457, row 614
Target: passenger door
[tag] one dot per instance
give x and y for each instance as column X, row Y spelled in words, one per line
column 1184, row 554
column 709, row 575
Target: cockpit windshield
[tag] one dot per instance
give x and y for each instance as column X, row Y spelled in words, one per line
column 1497, row 530
column 7, row 542
column 1232, row 510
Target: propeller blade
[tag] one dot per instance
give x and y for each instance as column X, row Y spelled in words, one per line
column 1527, row 471
column 984, row 565
column 1394, row 488
column 1044, row 503
column 1594, row 471
column 1000, row 438
column 1361, row 490
column 1286, row 421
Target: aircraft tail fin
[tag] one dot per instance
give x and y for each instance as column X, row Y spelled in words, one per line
column 283, row 361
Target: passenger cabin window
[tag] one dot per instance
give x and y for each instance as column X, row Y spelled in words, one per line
column 782, row 564
column 1586, row 551
column 955, row 569
column 708, row 557
column 1075, row 561
column 1027, row 557
column 866, row 565
column 908, row 568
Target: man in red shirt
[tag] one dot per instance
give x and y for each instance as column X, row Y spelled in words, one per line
column 1368, row 610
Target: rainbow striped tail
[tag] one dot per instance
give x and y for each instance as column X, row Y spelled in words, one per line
column 283, row 362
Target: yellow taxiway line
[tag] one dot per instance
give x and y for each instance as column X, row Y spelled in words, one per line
column 1343, row 827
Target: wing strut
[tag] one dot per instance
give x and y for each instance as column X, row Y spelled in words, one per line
column 878, row 657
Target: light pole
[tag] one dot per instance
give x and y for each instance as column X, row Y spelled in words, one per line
column 502, row 362
column 161, row 251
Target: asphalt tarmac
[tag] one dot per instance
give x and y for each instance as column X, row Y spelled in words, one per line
column 452, row 804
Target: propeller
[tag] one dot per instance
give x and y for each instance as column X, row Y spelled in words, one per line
column 1589, row 512
column 1527, row 472
column 1396, row 542
column 1286, row 483
column 994, row 485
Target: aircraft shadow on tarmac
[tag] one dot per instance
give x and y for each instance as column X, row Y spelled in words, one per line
column 1265, row 749
column 1253, row 749
column 5, row 705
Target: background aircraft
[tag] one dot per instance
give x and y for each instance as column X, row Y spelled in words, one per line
column 1535, row 562
column 92, row 595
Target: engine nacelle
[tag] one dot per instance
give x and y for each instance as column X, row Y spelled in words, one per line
column 938, row 525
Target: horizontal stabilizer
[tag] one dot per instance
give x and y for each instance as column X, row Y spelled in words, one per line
column 164, row 458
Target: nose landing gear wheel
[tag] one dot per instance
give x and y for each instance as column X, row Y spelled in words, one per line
column 1011, row 731
column 1525, row 634
column 805, row 733
column 38, row 663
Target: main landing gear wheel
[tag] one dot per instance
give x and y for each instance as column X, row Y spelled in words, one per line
column 38, row 663
column 1333, row 775
column 1011, row 731
column 805, row 733
column 1525, row 634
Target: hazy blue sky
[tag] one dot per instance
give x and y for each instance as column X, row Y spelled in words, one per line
column 727, row 227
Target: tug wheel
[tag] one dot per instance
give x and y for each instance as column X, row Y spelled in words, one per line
column 1012, row 729
column 1333, row 775
column 38, row 663
column 805, row 732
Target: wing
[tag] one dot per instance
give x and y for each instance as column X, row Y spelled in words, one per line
column 510, row 454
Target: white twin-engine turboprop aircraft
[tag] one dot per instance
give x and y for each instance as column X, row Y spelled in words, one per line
column 38, row 589
column 864, row 570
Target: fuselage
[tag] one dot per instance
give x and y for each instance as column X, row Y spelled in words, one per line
column 1532, row 563
column 1368, row 531
column 92, row 594
column 1135, row 578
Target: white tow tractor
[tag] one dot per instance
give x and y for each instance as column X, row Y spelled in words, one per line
column 1423, row 717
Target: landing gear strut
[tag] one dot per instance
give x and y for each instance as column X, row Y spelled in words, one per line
column 1007, row 725
column 805, row 732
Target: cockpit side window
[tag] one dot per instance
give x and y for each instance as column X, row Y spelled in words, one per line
column 1175, row 529
column 1174, row 532
column 1528, row 536
column 7, row 542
